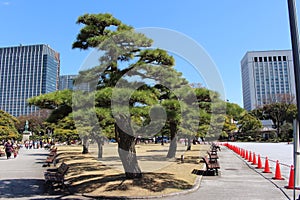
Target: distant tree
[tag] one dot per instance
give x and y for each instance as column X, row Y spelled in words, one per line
column 234, row 111
column 229, row 127
column 212, row 113
column 64, row 130
column 58, row 105
column 279, row 113
column 36, row 124
column 59, row 102
column 281, row 109
column 7, row 127
column 287, row 131
column 248, row 123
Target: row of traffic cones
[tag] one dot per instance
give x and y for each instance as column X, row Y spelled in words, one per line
column 251, row 157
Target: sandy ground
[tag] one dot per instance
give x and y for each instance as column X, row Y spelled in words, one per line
column 93, row 176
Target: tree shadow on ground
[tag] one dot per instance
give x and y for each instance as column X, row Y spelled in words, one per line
column 87, row 174
column 58, row 189
column 189, row 159
column 38, row 154
column 164, row 150
column 89, row 185
column 204, row 172
column 71, row 156
column 81, row 167
column 17, row 188
column 140, row 158
column 153, row 158
column 154, row 182
column 86, row 177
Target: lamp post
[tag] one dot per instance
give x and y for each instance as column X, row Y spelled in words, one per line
column 295, row 49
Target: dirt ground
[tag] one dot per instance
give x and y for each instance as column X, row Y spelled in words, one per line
column 105, row 177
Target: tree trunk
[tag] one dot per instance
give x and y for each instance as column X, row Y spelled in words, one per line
column 127, row 153
column 278, row 130
column 100, row 149
column 99, row 140
column 173, row 143
column 189, row 147
column 85, row 145
column 162, row 139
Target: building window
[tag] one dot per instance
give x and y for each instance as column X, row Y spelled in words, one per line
column 284, row 58
column 270, row 58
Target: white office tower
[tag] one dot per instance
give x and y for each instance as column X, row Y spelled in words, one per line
column 267, row 77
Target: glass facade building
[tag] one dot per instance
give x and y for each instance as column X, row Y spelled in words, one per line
column 66, row 82
column 26, row 71
column 267, row 76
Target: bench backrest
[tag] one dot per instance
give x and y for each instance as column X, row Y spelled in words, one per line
column 63, row 168
column 206, row 161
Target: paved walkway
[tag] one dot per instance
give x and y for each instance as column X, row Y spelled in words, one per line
column 238, row 179
column 22, row 178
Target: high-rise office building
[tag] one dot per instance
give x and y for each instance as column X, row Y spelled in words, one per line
column 26, row 71
column 267, row 76
column 66, row 82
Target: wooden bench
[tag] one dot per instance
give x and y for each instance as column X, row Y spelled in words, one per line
column 56, row 175
column 53, row 150
column 51, row 159
column 215, row 147
column 212, row 156
column 52, row 153
column 211, row 166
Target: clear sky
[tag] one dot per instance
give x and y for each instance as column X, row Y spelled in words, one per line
column 225, row 29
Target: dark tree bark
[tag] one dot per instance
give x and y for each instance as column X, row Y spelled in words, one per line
column 85, row 145
column 127, row 152
column 173, row 142
column 189, row 145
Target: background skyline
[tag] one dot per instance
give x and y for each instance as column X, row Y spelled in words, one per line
column 225, row 30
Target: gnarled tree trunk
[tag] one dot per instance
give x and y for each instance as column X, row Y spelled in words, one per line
column 127, row 153
column 173, row 142
column 189, row 144
column 100, row 142
column 85, row 144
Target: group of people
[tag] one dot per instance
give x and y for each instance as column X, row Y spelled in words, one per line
column 33, row 144
column 11, row 148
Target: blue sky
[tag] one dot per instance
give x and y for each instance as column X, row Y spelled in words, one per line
column 225, row 29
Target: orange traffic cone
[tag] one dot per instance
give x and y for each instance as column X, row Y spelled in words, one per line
column 254, row 159
column 278, row 172
column 267, row 168
column 250, row 156
column 259, row 164
column 291, row 179
column 242, row 153
column 246, row 155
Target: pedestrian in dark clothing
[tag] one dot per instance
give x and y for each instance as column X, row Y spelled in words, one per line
column 8, row 148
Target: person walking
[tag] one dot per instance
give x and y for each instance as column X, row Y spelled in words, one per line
column 8, row 148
